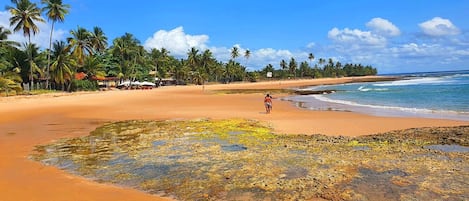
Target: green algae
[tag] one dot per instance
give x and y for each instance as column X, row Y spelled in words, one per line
column 239, row 159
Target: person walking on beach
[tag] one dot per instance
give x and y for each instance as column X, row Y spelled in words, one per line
column 268, row 103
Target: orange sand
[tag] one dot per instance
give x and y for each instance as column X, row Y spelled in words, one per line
column 29, row 121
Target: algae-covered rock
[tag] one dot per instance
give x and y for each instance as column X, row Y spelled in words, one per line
column 238, row 159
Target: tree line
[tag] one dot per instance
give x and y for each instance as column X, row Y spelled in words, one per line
column 88, row 52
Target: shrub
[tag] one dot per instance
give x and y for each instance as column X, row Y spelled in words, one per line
column 84, row 85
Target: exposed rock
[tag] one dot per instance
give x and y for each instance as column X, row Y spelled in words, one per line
column 242, row 160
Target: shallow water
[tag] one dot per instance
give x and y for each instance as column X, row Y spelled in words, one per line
column 448, row 148
column 243, row 160
column 443, row 95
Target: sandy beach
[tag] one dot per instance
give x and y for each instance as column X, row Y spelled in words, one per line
column 33, row 120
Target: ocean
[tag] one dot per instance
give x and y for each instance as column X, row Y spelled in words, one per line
column 443, row 95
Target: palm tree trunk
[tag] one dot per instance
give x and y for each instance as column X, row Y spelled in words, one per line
column 30, row 55
column 48, row 56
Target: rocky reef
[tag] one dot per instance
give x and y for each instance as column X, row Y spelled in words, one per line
column 239, row 159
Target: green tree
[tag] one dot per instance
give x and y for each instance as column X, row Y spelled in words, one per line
column 231, row 68
column 80, row 44
column 55, row 12
column 34, row 60
column 305, row 70
column 266, row 69
column 247, row 55
column 9, row 77
column 311, row 58
column 321, row 61
column 9, row 82
column 93, row 67
column 206, row 59
column 292, row 66
column 4, row 42
column 125, row 48
column 316, row 72
column 218, row 70
column 62, row 69
column 5, row 49
column 283, row 65
column 24, row 17
column 234, row 53
column 111, row 64
column 192, row 58
column 160, row 59
column 339, row 72
column 98, row 40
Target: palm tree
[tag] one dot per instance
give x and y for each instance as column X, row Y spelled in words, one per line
column 80, row 44
column 10, row 81
column 292, row 66
column 305, row 70
column 234, row 52
column 4, row 42
column 206, row 60
column 23, row 17
column 231, row 65
column 62, row 67
column 124, row 48
column 33, row 61
column 9, row 77
column 120, row 50
column 55, row 11
column 98, row 40
column 247, row 54
column 283, row 64
column 321, row 61
column 192, row 58
column 159, row 57
column 311, row 58
column 93, row 67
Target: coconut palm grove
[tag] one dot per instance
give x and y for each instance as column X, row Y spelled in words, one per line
column 88, row 57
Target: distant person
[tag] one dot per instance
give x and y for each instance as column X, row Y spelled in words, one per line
column 268, row 103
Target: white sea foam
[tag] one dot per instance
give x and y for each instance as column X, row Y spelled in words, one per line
column 395, row 108
column 364, row 89
column 419, row 81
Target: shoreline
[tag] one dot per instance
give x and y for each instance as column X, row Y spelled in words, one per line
column 41, row 119
column 317, row 104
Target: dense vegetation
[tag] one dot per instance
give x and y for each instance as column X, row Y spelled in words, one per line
column 25, row 66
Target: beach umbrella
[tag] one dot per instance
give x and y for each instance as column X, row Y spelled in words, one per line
column 124, row 84
column 146, row 83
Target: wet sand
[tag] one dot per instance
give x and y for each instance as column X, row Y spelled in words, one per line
column 29, row 121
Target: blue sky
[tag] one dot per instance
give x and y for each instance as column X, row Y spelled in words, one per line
column 393, row 36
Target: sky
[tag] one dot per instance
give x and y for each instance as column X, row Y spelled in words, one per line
column 395, row 36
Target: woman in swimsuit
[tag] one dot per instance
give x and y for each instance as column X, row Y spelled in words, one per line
column 268, row 103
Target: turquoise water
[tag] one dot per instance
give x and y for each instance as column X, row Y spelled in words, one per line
column 433, row 95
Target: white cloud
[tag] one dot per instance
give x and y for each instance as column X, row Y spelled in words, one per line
column 383, row 27
column 176, row 41
column 356, row 36
column 261, row 57
column 311, row 45
column 41, row 38
column 439, row 27
column 258, row 59
column 269, row 53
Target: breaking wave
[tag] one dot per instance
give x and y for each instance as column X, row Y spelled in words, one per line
column 396, row 108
